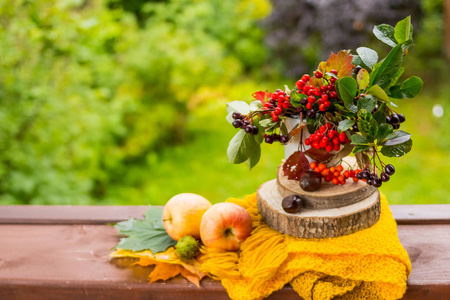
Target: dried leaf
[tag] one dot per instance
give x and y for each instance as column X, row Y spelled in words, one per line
column 298, row 128
column 167, row 264
column 296, row 165
column 318, row 154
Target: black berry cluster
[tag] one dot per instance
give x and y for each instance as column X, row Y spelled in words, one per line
column 395, row 119
column 241, row 122
column 373, row 179
column 270, row 138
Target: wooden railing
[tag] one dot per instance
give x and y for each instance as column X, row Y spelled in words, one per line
column 61, row 252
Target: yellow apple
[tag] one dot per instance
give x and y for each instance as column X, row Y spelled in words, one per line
column 225, row 226
column 183, row 213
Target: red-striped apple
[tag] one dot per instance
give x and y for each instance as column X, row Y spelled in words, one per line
column 183, row 213
column 225, row 226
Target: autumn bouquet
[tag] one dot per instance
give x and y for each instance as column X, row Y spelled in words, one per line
column 346, row 106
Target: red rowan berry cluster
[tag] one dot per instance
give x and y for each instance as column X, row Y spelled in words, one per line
column 321, row 95
column 327, row 138
column 333, row 174
column 279, row 101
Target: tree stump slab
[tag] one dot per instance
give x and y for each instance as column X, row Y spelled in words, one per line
column 316, row 223
column 328, row 196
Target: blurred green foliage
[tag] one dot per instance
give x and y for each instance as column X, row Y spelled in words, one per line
column 88, row 96
column 123, row 102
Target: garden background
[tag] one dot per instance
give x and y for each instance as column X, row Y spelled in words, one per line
column 123, row 102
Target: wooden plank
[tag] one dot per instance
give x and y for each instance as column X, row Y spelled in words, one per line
column 61, row 214
column 71, row 262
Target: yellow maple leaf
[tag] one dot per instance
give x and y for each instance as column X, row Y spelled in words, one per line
column 167, row 264
column 341, row 62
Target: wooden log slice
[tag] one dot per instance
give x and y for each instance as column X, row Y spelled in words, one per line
column 329, row 195
column 323, row 223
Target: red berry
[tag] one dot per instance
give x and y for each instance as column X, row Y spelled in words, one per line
column 318, row 74
column 316, row 145
column 343, row 137
column 316, row 92
column 323, row 88
column 341, row 178
column 300, row 84
column 336, row 174
column 329, row 126
column 332, row 169
column 334, row 72
column 333, row 95
column 305, row 77
column 336, row 141
column 340, row 168
column 335, row 181
column 327, row 103
column 311, row 99
column 308, row 105
column 337, row 147
column 325, row 172
column 333, row 80
column 322, row 129
column 278, row 110
column 275, row 118
column 355, row 179
column 324, row 97
column 322, row 167
column 317, row 169
column 322, row 107
column 320, row 101
column 327, row 178
column 286, row 104
column 307, row 143
column 329, row 148
column 347, row 174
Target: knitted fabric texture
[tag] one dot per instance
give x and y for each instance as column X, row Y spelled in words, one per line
column 369, row 264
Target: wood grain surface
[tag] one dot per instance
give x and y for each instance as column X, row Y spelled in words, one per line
column 71, row 261
column 317, row 223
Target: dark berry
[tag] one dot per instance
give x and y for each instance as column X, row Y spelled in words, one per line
column 248, row 129
column 255, row 130
column 369, row 181
column 396, row 126
column 284, row 139
column 359, row 175
column 355, row 128
column 373, row 176
column 304, row 101
column 300, row 109
column 357, row 69
column 377, row 182
column 237, row 123
column 268, row 139
column 292, row 204
column 311, row 181
column 245, row 122
column 384, row 177
column 395, row 119
column 275, row 137
column 236, row 115
column 388, row 119
column 311, row 114
column 389, row 169
column 402, row 118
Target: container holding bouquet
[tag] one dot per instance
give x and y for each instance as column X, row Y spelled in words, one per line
column 336, row 125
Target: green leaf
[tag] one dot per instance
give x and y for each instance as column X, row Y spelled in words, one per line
column 380, row 114
column 410, row 88
column 367, row 102
column 397, row 150
column 237, row 106
column 296, row 98
column 360, row 148
column 385, row 33
column 404, row 30
column 255, row 105
column 254, row 157
column 347, row 90
column 367, row 125
column 146, row 234
column 312, row 124
column 378, row 92
column 345, row 124
column 383, row 131
column 368, row 56
column 396, row 76
column 362, row 78
column 242, row 147
column 397, row 137
column 382, row 75
column 357, row 139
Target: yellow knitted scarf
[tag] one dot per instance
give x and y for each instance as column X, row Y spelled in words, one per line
column 369, row 264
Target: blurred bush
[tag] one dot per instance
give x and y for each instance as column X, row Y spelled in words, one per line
column 90, row 90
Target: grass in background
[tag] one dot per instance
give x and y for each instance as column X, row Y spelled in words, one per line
column 201, row 165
